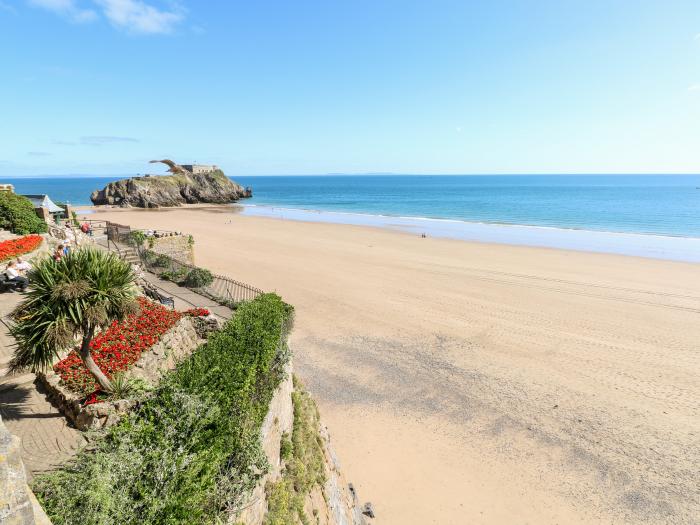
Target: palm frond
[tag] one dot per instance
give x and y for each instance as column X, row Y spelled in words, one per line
column 86, row 289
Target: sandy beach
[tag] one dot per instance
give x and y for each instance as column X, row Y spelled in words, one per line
column 475, row 383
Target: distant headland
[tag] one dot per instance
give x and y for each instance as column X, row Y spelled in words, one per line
column 186, row 184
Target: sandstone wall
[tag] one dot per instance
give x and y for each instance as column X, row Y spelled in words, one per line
column 279, row 420
column 178, row 247
column 332, row 504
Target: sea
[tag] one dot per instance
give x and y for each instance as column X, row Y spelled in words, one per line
column 647, row 215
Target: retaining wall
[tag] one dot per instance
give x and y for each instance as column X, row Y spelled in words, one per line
column 332, row 504
column 176, row 344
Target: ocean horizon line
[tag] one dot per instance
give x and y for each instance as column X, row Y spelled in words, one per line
column 366, row 174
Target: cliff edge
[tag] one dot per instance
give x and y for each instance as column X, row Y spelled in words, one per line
column 153, row 191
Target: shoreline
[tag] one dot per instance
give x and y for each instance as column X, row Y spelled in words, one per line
column 645, row 245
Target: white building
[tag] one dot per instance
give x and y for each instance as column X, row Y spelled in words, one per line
column 199, row 168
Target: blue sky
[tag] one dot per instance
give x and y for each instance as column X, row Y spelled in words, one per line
column 312, row 87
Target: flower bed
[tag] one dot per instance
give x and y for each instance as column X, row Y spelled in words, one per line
column 119, row 347
column 15, row 247
column 196, row 312
column 98, row 410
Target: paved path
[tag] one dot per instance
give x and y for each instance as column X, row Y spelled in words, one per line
column 186, row 299
column 47, row 439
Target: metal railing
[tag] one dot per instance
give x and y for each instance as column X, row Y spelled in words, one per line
column 221, row 289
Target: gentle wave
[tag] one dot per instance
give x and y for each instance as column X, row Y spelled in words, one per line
column 677, row 248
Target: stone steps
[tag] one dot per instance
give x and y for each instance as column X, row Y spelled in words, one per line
column 8, row 382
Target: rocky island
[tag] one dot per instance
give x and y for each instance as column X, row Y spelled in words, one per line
column 186, row 184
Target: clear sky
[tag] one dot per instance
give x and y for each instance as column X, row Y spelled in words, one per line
column 311, row 87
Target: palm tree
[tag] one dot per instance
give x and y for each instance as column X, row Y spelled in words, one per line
column 70, row 299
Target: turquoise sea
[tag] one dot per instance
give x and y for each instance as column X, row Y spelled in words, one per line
column 659, row 204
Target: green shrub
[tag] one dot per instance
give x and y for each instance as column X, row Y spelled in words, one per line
column 137, row 237
column 285, row 447
column 198, row 278
column 304, row 467
column 191, row 451
column 176, row 276
column 161, row 261
column 17, row 215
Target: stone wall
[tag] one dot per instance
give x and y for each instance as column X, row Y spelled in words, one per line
column 176, row 344
column 334, row 503
column 179, row 247
column 279, row 420
column 18, row 506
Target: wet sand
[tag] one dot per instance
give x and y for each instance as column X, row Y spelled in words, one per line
column 468, row 382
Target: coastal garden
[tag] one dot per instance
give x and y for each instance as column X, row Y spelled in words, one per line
column 190, row 452
column 191, row 444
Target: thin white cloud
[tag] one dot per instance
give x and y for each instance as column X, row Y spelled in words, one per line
column 99, row 140
column 139, row 17
column 694, row 87
column 134, row 16
column 67, row 8
column 697, row 37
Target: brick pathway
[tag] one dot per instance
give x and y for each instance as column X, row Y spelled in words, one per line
column 47, row 439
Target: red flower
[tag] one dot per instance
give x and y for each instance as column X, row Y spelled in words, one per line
column 119, row 347
column 14, row 247
column 196, row 312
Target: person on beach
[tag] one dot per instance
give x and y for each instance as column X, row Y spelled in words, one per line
column 58, row 253
column 66, row 248
column 86, row 229
column 14, row 276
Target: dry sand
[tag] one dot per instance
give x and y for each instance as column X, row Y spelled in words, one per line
column 476, row 383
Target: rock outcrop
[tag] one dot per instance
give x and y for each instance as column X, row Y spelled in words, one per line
column 153, row 191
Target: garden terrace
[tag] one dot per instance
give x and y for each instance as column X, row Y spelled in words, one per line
column 190, row 452
column 119, row 347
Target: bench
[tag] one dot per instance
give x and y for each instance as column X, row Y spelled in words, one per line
column 6, row 284
column 162, row 299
